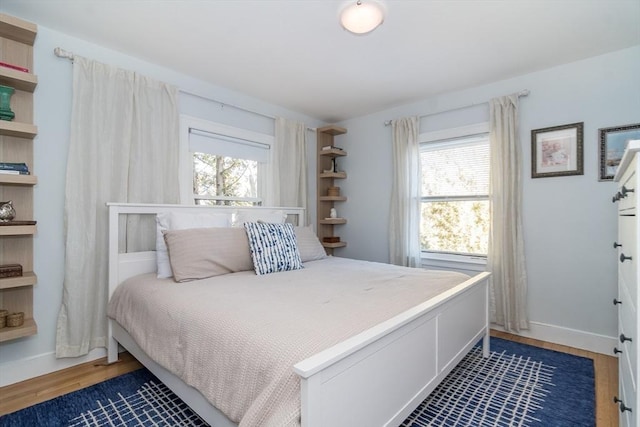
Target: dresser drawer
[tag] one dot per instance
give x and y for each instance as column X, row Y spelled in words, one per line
column 627, row 189
column 627, row 326
column 628, row 268
column 627, row 395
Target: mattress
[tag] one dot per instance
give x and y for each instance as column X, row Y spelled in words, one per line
column 236, row 337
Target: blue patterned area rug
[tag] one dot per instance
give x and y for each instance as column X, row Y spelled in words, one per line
column 518, row 385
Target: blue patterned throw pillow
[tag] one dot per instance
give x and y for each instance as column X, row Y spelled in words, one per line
column 273, row 247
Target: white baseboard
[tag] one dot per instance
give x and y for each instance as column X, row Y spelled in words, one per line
column 571, row 337
column 41, row 364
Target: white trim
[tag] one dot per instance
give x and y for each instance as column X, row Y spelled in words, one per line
column 458, row 258
column 467, row 264
column 566, row 336
column 458, row 132
column 41, row 364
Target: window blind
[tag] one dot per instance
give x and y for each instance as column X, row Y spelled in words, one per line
column 455, row 168
column 227, row 146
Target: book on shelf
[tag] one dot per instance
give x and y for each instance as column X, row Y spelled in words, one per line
column 12, row 172
column 8, row 166
column 14, row 67
column 331, row 147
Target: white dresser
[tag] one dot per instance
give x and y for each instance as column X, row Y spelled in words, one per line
column 627, row 303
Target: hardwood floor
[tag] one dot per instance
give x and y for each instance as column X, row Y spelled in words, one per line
column 36, row 390
column 21, row 395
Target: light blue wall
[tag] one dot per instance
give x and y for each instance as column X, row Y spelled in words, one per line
column 569, row 222
column 53, row 114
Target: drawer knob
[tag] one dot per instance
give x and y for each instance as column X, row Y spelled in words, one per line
column 625, row 191
column 623, row 258
column 616, row 301
column 616, row 197
column 623, row 338
column 616, row 351
column 616, row 245
column 623, row 407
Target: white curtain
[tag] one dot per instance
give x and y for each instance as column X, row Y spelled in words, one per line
column 288, row 165
column 505, row 259
column 404, row 216
column 124, row 148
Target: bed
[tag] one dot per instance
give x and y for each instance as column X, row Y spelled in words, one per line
column 372, row 373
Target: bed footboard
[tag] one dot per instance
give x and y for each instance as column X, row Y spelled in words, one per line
column 378, row 377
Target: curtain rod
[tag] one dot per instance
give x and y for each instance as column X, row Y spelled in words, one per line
column 61, row 53
column 524, row 92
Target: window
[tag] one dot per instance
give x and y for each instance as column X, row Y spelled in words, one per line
column 226, row 165
column 455, row 195
column 220, row 180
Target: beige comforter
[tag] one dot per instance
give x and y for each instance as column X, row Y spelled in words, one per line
column 236, row 337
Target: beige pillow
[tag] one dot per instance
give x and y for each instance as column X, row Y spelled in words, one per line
column 309, row 246
column 197, row 253
column 181, row 221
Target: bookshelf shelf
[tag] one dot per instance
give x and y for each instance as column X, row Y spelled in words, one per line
column 28, row 328
column 18, row 230
column 20, row 130
column 333, row 153
column 8, row 179
column 18, row 30
column 333, row 175
column 18, row 80
column 334, row 245
column 332, row 198
column 332, row 130
column 333, row 221
column 28, row 278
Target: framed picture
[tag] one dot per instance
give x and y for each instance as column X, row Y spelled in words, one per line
column 613, row 141
column 557, row 151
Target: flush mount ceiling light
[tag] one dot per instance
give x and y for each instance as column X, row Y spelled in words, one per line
column 361, row 17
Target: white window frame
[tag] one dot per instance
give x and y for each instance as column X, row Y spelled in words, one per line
column 189, row 123
column 465, row 262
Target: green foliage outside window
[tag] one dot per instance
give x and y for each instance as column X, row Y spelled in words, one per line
column 224, row 176
column 456, row 227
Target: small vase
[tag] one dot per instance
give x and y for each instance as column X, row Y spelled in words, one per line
column 5, row 103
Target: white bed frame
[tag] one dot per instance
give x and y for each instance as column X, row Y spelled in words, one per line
column 376, row 378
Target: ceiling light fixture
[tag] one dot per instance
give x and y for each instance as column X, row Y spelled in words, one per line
column 362, row 17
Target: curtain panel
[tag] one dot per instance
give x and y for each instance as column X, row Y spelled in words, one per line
column 404, row 215
column 287, row 183
column 124, row 148
column 505, row 258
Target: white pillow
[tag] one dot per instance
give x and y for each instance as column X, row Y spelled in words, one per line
column 182, row 221
column 309, row 246
column 259, row 215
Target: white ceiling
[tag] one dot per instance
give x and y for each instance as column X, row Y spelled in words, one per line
column 294, row 53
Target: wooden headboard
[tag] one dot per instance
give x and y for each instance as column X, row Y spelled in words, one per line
column 123, row 265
